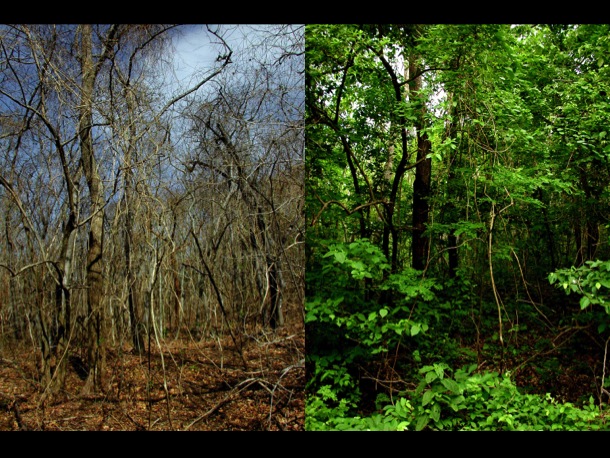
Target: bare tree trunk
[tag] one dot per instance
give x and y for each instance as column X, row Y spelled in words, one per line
column 137, row 334
column 96, row 320
column 177, row 294
column 63, row 307
column 9, row 291
column 136, row 326
column 60, row 335
column 53, row 332
column 276, row 283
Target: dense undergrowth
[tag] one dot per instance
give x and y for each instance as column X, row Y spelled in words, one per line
column 403, row 352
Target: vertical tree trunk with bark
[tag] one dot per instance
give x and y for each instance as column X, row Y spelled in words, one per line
column 591, row 226
column 96, row 321
column 273, row 315
column 60, row 334
column 9, row 297
column 423, row 173
column 137, row 335
column 176, row 289
column 133, row 300
column 449, row 207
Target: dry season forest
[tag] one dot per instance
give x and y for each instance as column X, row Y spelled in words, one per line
column 152, row 218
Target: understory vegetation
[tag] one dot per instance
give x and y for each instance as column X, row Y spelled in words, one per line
column 434, row 360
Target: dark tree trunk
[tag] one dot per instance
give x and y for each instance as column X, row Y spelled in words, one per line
column 579, row 247
column 423, row 171
column 453, row 255
column 450, row 209
column 421, row 209
column 592, row 239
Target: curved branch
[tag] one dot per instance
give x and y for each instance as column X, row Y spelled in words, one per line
column 29, row 266
column 344, row 207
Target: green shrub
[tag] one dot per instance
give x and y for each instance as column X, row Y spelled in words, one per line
column 346, row 322
column 591, row 281
column 471, row 401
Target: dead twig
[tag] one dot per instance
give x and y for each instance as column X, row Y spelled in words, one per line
column 228, row 398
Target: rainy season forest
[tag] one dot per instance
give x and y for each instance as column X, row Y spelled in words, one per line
column 152, row 224
column 457, row 221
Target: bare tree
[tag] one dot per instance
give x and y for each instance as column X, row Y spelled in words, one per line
column 63, row 83
column 137, row 208
column 246, row 136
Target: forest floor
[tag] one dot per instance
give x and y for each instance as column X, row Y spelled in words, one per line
column 189, row 385
column 557, row 349
column 562, row 355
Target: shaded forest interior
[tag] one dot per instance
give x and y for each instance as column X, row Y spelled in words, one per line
column 152, row 250
column 457, row 207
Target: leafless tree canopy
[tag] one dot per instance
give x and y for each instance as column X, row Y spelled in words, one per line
column 138, row 208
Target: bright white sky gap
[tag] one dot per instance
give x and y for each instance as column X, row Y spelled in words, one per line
column 194, row 52
column 197, row 50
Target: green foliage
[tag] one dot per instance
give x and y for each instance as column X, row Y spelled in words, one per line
column 340, row 299
column 591, row 281
column 346, row 322
column 325, row 411
column 360, row 258
column 517, row 122
column 469, row 401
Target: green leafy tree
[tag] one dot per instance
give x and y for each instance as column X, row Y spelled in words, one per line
column 452, row 170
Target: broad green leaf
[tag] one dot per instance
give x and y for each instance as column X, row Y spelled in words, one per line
column 451, row 385
column 415, row 329
column 340, row 256
column 358, row 265
column 584, row 302
column 440, row 371
column 456, row 403
column 422, row 421
column 431, row 376
column 427, row 397
column 435, row 412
